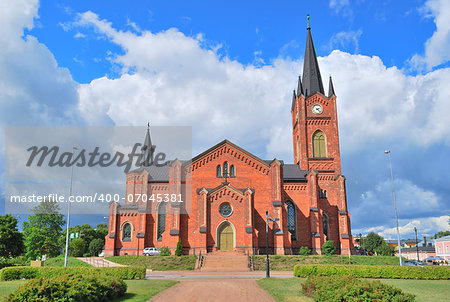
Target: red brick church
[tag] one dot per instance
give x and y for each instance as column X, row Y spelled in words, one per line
column 231, row 190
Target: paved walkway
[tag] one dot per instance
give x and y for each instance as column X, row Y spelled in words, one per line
column 182, row 275
column 223, row 290
column 98, row 262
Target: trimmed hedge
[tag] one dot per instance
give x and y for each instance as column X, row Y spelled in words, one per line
column 71, row 287
column 351, row 289
column 374, row 271
column 26, row 272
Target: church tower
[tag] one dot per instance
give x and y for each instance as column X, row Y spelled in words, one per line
column 316, row 150
column 314, row 119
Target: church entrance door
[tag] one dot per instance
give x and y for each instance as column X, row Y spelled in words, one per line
column 226, row 237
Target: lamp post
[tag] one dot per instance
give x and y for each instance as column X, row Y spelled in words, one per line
column 268, row 219
column 395, row 208
column 68, row 210
column 417, row 244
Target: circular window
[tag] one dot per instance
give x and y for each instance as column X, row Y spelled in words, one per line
column 225, row 209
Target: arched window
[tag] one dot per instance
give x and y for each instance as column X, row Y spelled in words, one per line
column 292, row 226
column 319, row 145
column 126, row 232
column 232, row 171
column 219, row 171
column 161, row 220
column 325, row 225
column 225, row 169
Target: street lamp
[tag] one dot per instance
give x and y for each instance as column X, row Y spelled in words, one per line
column 68, row 210
column 417, row 244
column 395, row 207
column 268, row 219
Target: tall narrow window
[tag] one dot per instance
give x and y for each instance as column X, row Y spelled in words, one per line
column 225, row 170
column 161, row 220
column 292, row 226
column 219, row 171
column 232, row 171
column 319, row 145
column 325, row 225
column 126, row 232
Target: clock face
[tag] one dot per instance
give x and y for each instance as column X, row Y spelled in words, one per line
column 317, row 109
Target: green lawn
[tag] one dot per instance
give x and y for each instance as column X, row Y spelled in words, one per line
column 290, row 289
column 158, row 263
column 59, row 262
column 138, row 290
column 287, row 262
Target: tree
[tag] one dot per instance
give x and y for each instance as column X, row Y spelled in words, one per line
column 440, row 234
column 42, row 230
column 385, row 250
column 179, row 250
column 87, row 233
column 96, row 246
column 304, row 251
column 77, row 247
column 11, row 240
column 328, row 248
column 373, row 242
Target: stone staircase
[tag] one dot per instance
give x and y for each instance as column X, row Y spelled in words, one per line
column 225, row 261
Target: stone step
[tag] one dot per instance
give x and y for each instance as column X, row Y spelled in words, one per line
column 225, row 261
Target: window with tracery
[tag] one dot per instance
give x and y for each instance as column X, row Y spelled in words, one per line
column 319, row 145
column 292, row 226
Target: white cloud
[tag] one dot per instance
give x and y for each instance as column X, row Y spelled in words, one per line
column 437, row 48
column 341, row 6
column 345, row 39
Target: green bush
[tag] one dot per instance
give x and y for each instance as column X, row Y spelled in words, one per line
column 21, row 260
column 96, row 246
column 179, row 250
column 21, row 272
column 328, row 248
column 351, row 289
column 70, row 287
column 165, row 251
column 374, row 271
column 77, row 247
column 304, row 251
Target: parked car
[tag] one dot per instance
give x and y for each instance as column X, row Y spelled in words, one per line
column 412, row 263
column 151, row 251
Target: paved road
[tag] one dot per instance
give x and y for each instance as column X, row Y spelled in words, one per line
column 217, row 290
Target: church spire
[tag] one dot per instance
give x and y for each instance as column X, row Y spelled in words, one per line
column 299, row 86
column 330, row 88
column 147, row 150
column 312, row 81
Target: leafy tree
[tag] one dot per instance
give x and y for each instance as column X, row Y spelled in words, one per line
column 373, row 242
column 304, row 250
column 440, row 234
column 179, row 250
column 87, row 233
column 328, row 248
column 385, row 250
column 96, row 246
column 77, row 247
column 11, row 240
column 42, row 230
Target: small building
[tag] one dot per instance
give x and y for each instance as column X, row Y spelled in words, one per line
column 424, row 252
column 443, row 248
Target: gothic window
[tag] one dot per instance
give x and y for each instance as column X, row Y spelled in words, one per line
column 292, row 226
column 219, row 171
column 161, row 220
column 232, row 171
column 325, row 225
column 322, row 193
column 225, row 169
column 126, row 232
column 319, row 145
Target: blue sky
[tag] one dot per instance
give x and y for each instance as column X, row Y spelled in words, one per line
column 228, row 70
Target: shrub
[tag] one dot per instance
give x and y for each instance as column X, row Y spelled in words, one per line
column 179, row 250
column 71, row 287
column 96, row 246
column 77, row 247
column 123, row 273
column 374, row 271
column 304, row 251
column 351, row 289
column 328, row 248
column 165, row 251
